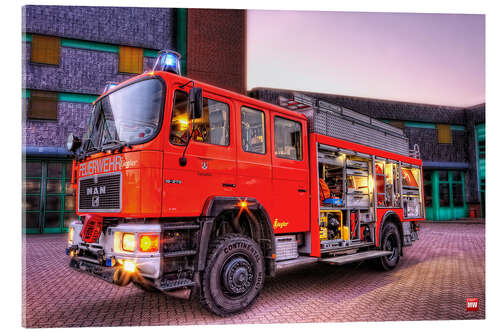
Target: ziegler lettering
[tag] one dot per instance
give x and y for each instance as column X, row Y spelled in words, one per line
column 278, row 224
column 107, row 164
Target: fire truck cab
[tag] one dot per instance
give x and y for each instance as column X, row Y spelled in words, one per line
column 189, row 189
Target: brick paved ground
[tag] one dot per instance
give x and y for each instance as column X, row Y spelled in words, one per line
column 434, row 278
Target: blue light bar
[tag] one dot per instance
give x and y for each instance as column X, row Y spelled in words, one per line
column 169, row 61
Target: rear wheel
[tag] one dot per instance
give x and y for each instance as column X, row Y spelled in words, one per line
column 390, row 241
column 234, row 275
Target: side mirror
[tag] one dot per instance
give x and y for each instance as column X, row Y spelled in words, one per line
column 73, row 142
column 195, row 103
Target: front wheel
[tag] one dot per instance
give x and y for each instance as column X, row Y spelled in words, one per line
column 390, row 241
column 234, row 275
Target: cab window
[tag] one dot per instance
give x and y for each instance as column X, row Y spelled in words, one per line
column 212, row 127
column 287, row 139
column 253, row 136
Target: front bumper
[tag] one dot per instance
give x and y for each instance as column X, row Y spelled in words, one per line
column 103, row 272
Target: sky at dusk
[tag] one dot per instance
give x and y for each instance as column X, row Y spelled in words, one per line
column 423, row 58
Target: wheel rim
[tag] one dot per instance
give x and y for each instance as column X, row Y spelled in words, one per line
column 237, row 276
column 391, row 245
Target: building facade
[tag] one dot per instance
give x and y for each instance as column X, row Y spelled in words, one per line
column 70, row 53
column 451, row 142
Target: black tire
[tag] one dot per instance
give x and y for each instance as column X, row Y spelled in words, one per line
column 233, row 276
column 390, row 241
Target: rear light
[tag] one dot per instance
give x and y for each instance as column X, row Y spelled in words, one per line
column 149, row 242
column 128, row 242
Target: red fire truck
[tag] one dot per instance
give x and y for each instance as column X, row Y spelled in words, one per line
column 193, row 190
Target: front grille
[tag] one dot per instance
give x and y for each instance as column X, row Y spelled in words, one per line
column 100, row 193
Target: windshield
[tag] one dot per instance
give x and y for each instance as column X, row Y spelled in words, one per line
column 129, row 115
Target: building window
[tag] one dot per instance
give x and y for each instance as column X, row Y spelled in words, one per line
column 42, row 105
column 253, row 136
column 45, row 49
column 130, row 60
column 398, row 124
column 287, row 139
column 444, row 133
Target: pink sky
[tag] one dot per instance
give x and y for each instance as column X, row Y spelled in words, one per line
column 424, row 58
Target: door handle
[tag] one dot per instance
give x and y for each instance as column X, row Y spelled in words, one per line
column 228, row 185
column 302, row 190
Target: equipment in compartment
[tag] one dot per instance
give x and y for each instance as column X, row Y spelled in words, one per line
column 411, row 194
column 332, row 230
column 330, row 224
column 286, row 247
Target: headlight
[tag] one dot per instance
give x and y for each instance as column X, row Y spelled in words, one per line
column 148, row 242
column 70, row 235
column 128, row 242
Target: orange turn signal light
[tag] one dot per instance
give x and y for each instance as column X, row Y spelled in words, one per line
column 149, row 243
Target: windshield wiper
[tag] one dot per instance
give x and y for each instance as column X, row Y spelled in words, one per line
column 120, row 144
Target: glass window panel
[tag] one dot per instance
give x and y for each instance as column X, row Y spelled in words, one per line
column 68, row 218
column 444, row 133
column 180, row 121
column 212, row 127
column 444, row 195
column 53, row 202
column 130, row 59
column 31, row 202
column 428, row 194
column 443, row 176
column 69, row 202
column 45, row 49
column 33, row 169
column 428, row 176
column 69, row 190
column 52, row 220
column 31, row 186
column 54, row 186
column 31, row 220
column 456, row 176
column 287, row 139
column 253, row 136
column 69, row 166
column 42, row 105
column 54, row 170
column 458, row 199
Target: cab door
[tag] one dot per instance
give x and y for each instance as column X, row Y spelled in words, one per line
column 290, row 175
column 254, row 171
column 211, row 156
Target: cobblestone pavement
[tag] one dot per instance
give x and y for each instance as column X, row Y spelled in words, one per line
column 432, row 282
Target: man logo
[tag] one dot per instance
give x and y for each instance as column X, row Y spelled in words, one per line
column 96, row 190
column 95, row 201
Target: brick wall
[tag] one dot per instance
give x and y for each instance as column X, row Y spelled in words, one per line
column 216, row 45
column 80, row 71
column 85, row 71
column 71, row 118
column 380, row 109
column 142, row 27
